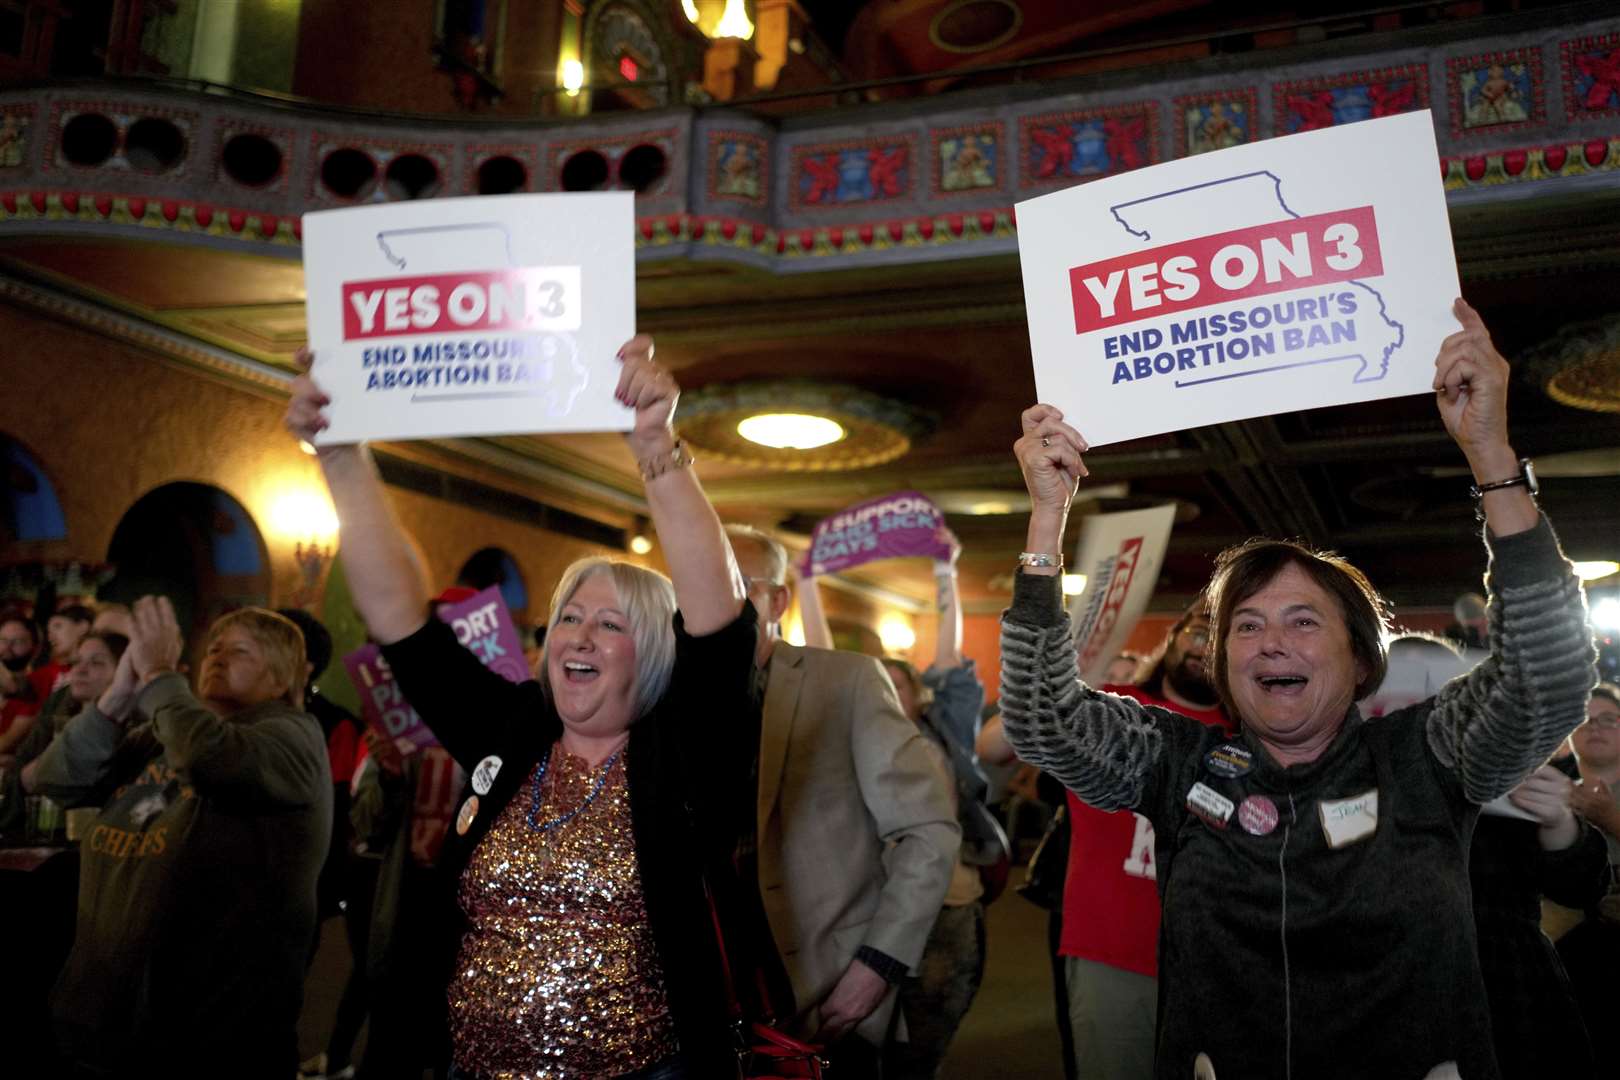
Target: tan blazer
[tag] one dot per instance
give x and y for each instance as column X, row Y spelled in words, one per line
column 857, row 835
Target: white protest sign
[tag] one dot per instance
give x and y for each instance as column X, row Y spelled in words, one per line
column 1310, row 270
column 1121, row 555
column 477, row 316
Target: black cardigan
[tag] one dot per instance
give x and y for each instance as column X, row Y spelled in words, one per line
column 688, row 770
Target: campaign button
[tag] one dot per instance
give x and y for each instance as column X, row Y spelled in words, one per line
column 1258, row 815
column 1209, row 804
column 483, row 777
column 1229, row 760
column 464, row 819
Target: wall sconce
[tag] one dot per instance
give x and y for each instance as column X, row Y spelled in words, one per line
column 308, row 520
column 719, row 18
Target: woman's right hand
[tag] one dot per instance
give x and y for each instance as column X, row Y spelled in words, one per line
column 304, row 418
column 1049, row 454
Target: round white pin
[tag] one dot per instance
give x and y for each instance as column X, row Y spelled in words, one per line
column 483, row 777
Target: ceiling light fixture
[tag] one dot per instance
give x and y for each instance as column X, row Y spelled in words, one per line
column 734, row 23
column 896, row 634
column 790, row 431
column 640, row 542
column 1595, row 569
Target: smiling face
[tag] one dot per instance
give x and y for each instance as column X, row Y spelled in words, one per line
column 591, row 660
column 236, row 673
column 92, row 672
column 1597, row 741
column 1290, row 668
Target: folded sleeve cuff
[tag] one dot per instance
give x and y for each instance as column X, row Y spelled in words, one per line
column 1037, row 600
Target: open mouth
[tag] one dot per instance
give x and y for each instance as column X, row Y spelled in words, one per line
column 579, row 671
column 1282, row 684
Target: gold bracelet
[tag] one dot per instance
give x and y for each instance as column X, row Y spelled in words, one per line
column 657, row 465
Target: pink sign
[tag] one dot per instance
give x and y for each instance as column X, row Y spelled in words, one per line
column 890, row 527
column 484, row 627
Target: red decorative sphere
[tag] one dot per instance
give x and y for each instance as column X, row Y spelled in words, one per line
column 38, row 199
column 835, row 236
column 987, row 222
column 758, row 233
column 865, row 233
column 807, row 239
column 1596, row 151
column 236, row 219
column 70, row 202
column 203, row 215
column 955, row 223
column 896, row 230
column 268, row 224
column 925, row 226
column 170, row 208
column 728, row 228
column 1555, row 156
column 1514, row 161
column 9, row 201
column 646, row 226
column 1474, row 167
column 137, row 208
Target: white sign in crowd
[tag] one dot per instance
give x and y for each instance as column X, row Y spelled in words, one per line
column 1310, row 270
column 475, row 316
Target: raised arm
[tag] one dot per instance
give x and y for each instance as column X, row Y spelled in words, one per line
column 1102, row 747
column 1496, row 724
column 384, row 581
column 708, row 588
column 948, row 605
column 817, row 633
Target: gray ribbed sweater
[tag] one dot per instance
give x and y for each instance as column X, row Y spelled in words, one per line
column 1492, row 727
column 1282, row 953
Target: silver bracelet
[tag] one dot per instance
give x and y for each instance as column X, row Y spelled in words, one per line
column 1040, row 558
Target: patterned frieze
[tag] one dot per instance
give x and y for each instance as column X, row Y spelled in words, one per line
column 1527, row 107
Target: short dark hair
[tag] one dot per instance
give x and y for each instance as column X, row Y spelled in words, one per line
column 76, row 612
column 1153, row 680
column 1244, row 570
column 115, row 642
column 317, row 639
column 1608, row 692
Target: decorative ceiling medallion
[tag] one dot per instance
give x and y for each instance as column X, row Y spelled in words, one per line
column 1580, row 365
column 975, row 26
column 877, row 429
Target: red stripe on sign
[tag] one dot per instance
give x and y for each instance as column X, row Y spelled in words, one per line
column 524, row 298
column 1296, row 253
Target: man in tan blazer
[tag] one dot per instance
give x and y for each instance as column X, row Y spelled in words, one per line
column 857, row 834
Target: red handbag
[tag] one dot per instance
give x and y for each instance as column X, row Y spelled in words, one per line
column 763, row 1053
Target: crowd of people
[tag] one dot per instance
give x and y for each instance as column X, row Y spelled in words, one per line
column 686, row 839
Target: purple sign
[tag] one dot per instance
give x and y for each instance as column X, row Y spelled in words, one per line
column 382, row 703
column 891, row 527
column 482, row 624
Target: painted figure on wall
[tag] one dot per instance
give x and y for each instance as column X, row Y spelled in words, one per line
column 738, row 170
column 967, row 162
column 1496, row 94
column 1216, row 125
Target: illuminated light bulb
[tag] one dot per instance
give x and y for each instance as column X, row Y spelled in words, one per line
column 1606, row 614
column 306, row 447
column 304, row 516
column 896, row 634
column 1074, row 584
column 689, row 9
column 790, row 431
column 640, row 544
column 734, row 22
column 1594, row 569
column 573, row 76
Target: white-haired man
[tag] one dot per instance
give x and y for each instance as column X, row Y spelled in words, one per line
column 856, row 831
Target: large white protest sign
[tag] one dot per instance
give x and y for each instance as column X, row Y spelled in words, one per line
column 475, row 316
column 1310, row 270
column 1121, row 555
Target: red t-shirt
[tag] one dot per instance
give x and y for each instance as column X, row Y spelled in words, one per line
column 1110, row 895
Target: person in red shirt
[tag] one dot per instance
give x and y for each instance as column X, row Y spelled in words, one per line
column 63, row 631
column 1110, row 898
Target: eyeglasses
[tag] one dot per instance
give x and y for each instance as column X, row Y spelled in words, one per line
column 1195, row 635
column 1607, row 723
column 16, row 642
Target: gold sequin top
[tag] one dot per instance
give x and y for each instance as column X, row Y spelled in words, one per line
column 559, row 975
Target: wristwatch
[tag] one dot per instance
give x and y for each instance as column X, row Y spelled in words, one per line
column 1527, row 477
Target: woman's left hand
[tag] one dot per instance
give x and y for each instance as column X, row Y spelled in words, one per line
column 1470, row 383
column 155, row 648
column 650, row 390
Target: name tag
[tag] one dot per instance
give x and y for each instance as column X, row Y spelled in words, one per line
column 1209, row 804
column 1345, row 821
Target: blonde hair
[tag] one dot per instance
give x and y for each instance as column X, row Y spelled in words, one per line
column 282, row 642
column 776, row 556
column 648, row 600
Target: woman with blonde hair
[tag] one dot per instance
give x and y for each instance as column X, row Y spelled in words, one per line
column 602, row 798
